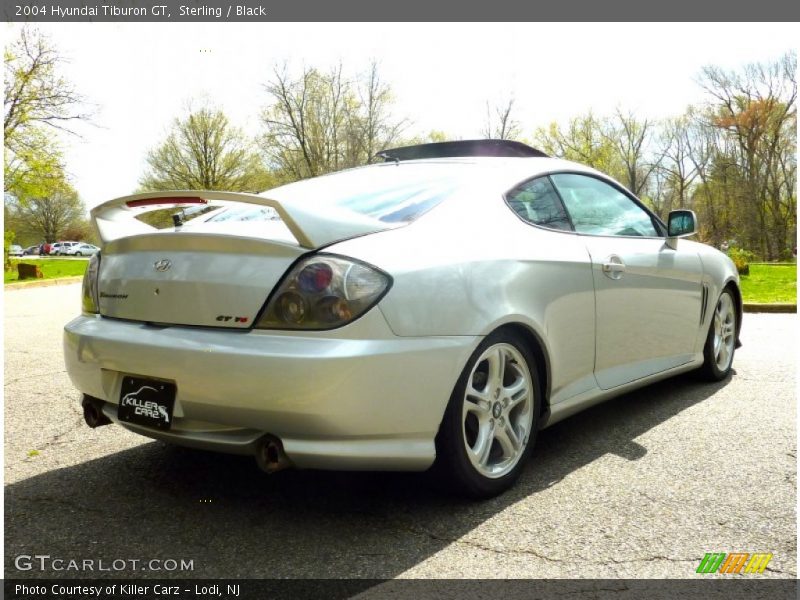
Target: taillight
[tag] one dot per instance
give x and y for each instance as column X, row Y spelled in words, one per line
column 91, row 299
column 324, row 292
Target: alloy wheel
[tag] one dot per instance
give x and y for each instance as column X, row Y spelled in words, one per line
column 724, row 332
column 497, row 410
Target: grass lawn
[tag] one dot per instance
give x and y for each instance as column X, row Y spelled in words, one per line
column 52, row 268
column 770, row 283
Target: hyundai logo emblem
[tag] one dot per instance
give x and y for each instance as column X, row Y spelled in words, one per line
column 162, row 265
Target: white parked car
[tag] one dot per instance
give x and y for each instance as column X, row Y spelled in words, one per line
column 63, row 248
column 435, row 310
column 81, row 249
column 15, row 250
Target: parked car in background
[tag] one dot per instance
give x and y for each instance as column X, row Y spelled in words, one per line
column 62, row 248
column 15, row 250
column 436, row 310
column 31, row 251
column 82, row 250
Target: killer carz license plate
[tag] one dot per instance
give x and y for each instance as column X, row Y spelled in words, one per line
column 146, row 402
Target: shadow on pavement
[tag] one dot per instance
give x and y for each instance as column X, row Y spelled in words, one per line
column 157, row 501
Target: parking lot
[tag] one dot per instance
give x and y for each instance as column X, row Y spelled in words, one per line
column 639, row 487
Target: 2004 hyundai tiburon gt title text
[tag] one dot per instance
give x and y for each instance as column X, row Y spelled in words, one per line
column 432, row 311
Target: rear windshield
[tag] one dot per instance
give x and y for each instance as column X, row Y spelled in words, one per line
column 243, row 213
column 389, row 193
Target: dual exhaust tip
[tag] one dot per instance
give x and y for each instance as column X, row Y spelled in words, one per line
column 93, row 412
column 270, row 456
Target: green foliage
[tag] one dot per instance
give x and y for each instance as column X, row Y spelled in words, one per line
column 741, row 258
column 203, row 151
column 746, row 156
column 585, row 140
column 49, row 216
column 37, row 102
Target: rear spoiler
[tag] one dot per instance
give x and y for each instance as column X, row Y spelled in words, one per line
column 310, row 227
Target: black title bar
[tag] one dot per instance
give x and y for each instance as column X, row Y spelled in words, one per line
column 406, row 10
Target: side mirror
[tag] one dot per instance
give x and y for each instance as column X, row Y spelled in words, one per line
column 680, row 223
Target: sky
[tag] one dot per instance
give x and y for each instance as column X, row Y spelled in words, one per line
column 140, row 76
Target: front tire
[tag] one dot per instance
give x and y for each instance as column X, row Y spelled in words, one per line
column 491, row 420
column 721, row 341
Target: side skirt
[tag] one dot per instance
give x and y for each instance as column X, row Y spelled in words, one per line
column 576, row 404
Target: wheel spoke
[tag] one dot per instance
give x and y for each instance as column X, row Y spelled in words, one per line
column 484, row 446
column 509, row 440
column 516, row 391
column 478, row 405
column 473, row 392
column 722, row 308
column 722, row 357
column 497, row 369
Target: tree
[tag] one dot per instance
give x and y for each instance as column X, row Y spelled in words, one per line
column 585, row 140
column 35, row 92
column 370, row 121
column 203, row 151
column 321, row 122
column 753, row 116
column 47, row 216
column 675, row 173
column 33, row 163
column 499, row 124
column 38, row 101
column 630, row 138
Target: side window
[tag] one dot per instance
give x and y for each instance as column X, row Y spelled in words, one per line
column 600, row 209
column 537, row 202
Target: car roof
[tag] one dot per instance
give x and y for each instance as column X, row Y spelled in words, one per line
column 506, row 170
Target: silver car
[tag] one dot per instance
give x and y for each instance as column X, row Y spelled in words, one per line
column 435, row 310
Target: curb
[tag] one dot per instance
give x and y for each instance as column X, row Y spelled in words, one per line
column 751, row 307
column 42, row 283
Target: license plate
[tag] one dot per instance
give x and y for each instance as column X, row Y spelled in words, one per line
column 146, row 402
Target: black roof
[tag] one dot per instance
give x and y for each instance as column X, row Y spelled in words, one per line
column 507, row 148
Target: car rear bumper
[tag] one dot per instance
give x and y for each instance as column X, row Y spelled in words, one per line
column 354, row 398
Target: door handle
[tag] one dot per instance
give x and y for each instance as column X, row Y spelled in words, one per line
column 613, row 267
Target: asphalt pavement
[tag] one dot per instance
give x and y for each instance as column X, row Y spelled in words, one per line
column 639, row 487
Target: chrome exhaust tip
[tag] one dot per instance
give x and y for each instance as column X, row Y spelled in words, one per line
column 270, row 456
column 93, row 413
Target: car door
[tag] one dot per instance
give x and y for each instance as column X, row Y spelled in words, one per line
column 647, row 294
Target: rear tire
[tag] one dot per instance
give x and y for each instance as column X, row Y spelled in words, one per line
column 721, row 340
column 491, row 420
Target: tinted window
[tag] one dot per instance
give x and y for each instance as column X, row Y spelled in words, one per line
column 536, row 202
column 600, row 209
